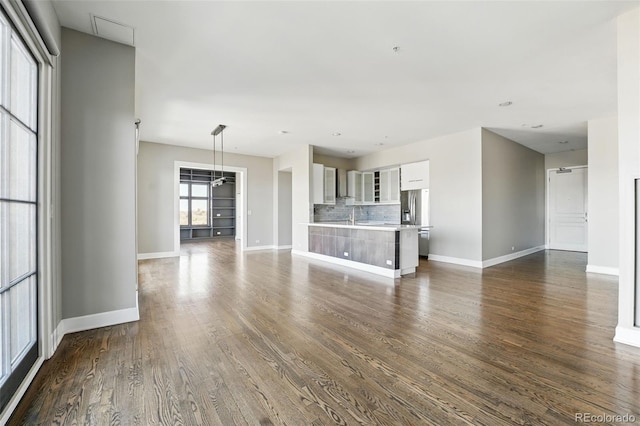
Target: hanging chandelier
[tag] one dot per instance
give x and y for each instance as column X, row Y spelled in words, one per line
column 217, row 181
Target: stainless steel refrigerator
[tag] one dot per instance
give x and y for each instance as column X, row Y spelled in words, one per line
column 414, row 208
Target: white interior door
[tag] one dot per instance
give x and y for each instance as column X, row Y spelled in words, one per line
column 568, row 209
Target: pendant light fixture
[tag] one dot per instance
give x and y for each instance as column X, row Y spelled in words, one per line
column 217, row 181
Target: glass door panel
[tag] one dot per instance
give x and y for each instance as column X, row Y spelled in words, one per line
column 20, row 239
column 22, row 306
column 23, row 83
column 18, row 211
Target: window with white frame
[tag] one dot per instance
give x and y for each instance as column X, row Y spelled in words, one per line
column 18, row 210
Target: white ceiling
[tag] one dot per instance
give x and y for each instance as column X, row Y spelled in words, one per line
column 316, row 68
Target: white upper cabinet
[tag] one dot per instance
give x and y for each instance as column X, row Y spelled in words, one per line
column 394, row 185
column 318, row 183
column 329, row 185
column 415, row 176
column 324, row 184
column 354, row 186
column 368, row 188
column 390, row 186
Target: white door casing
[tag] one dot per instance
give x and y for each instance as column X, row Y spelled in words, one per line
column 567, row 209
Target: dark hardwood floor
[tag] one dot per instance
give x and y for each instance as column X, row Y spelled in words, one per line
column 266, row 338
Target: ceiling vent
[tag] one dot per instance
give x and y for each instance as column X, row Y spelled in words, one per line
column 112, row 30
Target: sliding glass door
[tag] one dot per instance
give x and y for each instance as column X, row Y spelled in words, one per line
column 18, row 205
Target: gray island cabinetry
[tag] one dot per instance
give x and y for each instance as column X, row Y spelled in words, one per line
column 388, row 250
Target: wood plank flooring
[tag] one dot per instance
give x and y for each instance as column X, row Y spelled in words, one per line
column 265, row 338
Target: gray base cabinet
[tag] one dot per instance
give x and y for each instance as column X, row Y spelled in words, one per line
column 372, row 247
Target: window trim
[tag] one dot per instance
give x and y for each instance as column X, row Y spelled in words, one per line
column 189, row 198
column 47, row 224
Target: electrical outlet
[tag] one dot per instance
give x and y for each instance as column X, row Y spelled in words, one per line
column 346, row 254
column 389, row 262
column 513, row 248
column 248, row 212
column 257, row 241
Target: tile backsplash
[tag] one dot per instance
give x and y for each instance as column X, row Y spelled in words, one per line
column 389, row 213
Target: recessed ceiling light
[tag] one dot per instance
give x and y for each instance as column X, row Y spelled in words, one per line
column 396, row 49
column 350, row 151
column 537, row 126
column 283, row 132
column 337, row 134
column 504, row 104
column 379, row 144
column 563, row 142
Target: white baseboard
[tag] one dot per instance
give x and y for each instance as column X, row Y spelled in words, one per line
column 56, row 337
column 605, row 270
column 158, row 255
column 511, row 256
column 289, row 247
column 388, row 273
column 103, row 319
column 455, row 260
column 484, row 263
column 70, row 325
column 256, row 248
column 628, row 336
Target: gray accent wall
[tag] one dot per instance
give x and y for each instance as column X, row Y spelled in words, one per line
column 513, row 197
column 98, row 173
column 603, row 192
column 156, row 194
column 455, row 189
column 337, row 162
column 285, row 208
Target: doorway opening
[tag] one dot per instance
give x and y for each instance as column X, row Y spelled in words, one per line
column 203, row 210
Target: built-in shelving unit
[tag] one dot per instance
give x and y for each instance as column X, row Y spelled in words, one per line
column 206, row 211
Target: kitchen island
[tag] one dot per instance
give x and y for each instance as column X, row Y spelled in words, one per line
column 384, row 249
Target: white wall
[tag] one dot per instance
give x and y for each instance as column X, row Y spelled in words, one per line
column 99, row 268
column 603, row 195
column 156, row 194
column 299, row 162
column 513, row 209
column 627, row 330
column 455, row 190
column 556, row 160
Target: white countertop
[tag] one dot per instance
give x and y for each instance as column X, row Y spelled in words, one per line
column 374, row 226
